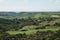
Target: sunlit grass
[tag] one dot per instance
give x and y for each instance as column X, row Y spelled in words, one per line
column 33, row 31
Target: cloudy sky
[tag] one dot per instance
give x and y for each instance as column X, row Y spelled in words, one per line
column 29, row 5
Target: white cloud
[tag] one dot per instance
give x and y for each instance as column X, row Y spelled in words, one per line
column 25, row 0
column 2, row 1
column 57, row 2
column 50, row 0
column 25, row 5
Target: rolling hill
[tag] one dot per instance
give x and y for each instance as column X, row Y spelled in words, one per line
column 28, row 14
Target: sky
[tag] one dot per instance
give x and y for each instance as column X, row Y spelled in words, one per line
column 29, row 5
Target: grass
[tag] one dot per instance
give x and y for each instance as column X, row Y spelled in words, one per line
column 52, row 28
column 28, row 27
column 31, row 29
column 39, row 15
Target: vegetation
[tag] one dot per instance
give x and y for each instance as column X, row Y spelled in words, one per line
column 30, row 26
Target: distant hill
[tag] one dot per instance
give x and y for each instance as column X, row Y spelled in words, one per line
column 29, row 14
column 7, row 13
column 37, row 14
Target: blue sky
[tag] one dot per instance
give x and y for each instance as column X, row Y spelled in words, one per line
column 29, row 5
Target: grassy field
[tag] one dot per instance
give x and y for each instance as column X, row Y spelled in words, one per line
column 32, row 31
column 30, row 26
